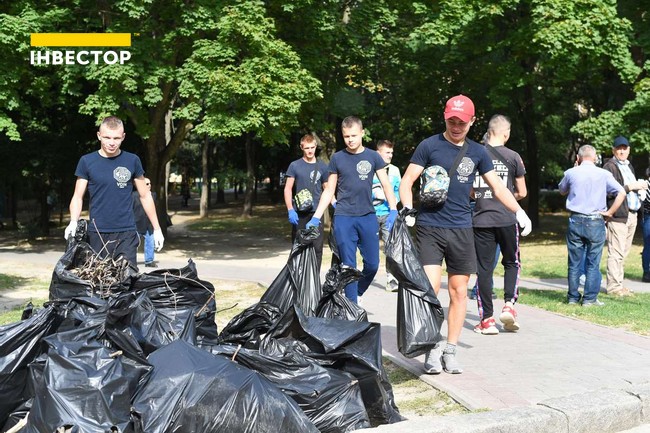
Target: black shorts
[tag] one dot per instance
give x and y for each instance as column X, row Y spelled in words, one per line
column 455, row 246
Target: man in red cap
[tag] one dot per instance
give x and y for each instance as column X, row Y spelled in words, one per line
column 444, row 225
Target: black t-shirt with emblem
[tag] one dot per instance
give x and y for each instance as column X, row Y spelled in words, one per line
column 354, row 183
column 110, row 184
column 456, row 211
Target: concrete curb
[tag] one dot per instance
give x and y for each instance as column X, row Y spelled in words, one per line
column 605, row 411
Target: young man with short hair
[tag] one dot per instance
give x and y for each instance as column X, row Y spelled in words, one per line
column 109, row 175
column 307, row 173
column 385, row 148
column 355, row 225
column 445, row 232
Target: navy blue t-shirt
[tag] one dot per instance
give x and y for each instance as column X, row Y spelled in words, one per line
column 309, row 176
column 110, row 184
column 354, row 184
column 456, row 211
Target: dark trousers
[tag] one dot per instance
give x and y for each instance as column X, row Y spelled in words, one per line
column 303, row 219
column 485, row 241
column 115, row 245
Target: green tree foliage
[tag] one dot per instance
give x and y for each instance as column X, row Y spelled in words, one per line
column 629, row 113
column 248, row 74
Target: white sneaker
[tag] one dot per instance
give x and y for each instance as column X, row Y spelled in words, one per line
column 359, row 301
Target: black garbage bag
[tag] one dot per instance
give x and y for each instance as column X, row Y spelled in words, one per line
column 334, row 247
column 419, row 313
column 75, row 311
column 331, row 399
column 191, row 390
column 299, row 280
column 171, row 290
column 67, row 283
column 134, row 315
column 20, row 344
column 334, row 304
column 248, row 327
column 83, row 384
column 17, row 416
column 80, row 235
column 352, row 347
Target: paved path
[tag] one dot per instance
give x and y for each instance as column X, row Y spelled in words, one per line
column 551, row 356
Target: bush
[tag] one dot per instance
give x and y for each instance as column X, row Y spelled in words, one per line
column 551, row 201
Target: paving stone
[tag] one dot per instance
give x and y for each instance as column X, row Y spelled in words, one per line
column 598, row 411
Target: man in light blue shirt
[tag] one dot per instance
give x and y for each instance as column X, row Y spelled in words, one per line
column 587, row 188
column 382, row 209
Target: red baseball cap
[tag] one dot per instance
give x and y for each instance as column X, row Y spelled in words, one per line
column 459, row 106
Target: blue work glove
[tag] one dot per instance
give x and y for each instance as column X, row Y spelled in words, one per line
column 293, row 217
column 314, row 222
column 391, row 219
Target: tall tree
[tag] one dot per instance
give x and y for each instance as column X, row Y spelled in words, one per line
column 532, row 59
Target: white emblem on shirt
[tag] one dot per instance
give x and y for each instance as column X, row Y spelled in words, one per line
column 465, row 169
column 363, row 168
column 122, row 176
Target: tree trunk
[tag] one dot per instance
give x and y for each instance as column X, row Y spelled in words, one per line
column 44, row 213
column 527, row 114
column 250, row 177
column 161, row 146
column 13, row 205
column 205, row 184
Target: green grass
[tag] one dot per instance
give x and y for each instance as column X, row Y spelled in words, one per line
column 629, row 313
column 267, row 220
column 544, row 252
column 13, row 282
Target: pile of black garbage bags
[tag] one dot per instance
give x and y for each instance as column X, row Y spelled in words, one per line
column 148, row 358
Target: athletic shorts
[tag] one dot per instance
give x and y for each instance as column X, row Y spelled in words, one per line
column 455, row 246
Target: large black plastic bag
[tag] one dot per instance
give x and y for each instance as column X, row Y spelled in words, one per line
column 334, row 304
column 248, row 327
column 191, row 390
column 83, row 384
column 75, row 311
column 20, row 344
column 352, row 347
column 174, row 290
column 299, row 280
column 134, row 315
column 65, row 284
column 331, row 399
column 419, row 313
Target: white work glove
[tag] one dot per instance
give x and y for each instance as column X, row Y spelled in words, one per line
column 158, row 240
column 70, row 230
column 524, row 222
column 409, row 216
column 409, row 220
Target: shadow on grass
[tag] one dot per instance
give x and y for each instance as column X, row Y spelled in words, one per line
column 11, row 282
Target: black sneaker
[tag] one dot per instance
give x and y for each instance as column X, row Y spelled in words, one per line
column 150, row 265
